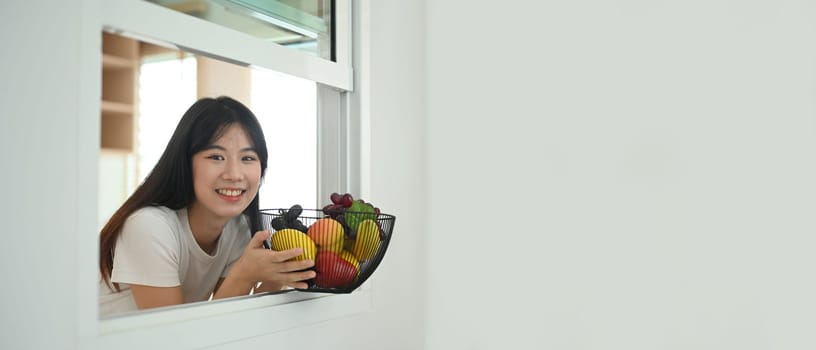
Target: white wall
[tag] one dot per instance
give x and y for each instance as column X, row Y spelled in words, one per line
column 49, row 132
column 621, row 175
column 602, row 175
column 43, row 183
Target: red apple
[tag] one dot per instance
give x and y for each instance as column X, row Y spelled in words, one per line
column 333, row 271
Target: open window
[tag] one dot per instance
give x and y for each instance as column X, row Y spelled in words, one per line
column 147, row 88
column 262, row 49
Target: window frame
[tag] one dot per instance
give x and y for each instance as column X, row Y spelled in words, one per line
column 340, row 162
column 168, row 26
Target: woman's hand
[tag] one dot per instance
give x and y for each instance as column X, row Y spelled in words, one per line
column 273, row 268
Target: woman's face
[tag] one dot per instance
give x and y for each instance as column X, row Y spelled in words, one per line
column 226, row 175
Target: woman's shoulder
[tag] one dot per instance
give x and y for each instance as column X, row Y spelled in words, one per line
column 153, row 223
column 154, row 210
column 154, row 214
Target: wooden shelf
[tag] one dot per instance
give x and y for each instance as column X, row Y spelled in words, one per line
column 110, row 61
column 118, row 140
column 120, row 79
column 117, row 107
column 115, row 151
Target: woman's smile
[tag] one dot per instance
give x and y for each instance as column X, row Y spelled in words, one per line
column 230, row 194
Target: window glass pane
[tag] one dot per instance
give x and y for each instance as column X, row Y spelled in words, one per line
column 285, row 106
column 166, row 89
column 287, row 109
column 301, row 24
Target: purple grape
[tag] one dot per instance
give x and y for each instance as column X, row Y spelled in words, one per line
column 327, row 209
column 332, row 209
column 336, row 198
column 347, row 200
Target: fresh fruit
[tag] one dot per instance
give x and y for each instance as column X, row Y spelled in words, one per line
column 335, row 198
column 350, row 212
column 346, row 255
column 334, row 271
column 333, row 210
column 367, row 241
column 340, row 202
column 289, row 219
column 288, row 238
column 347, row 200
column 348, row 244
column 328, row 234
column 358, row 212
column 293, row 213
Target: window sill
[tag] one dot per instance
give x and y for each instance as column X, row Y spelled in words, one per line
column 228, row 320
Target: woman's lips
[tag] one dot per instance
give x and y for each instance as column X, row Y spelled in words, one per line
column 232, row 195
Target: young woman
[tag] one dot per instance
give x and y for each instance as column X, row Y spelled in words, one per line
column 185, row 235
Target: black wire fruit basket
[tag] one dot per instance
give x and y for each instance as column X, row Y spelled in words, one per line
column 346, row 248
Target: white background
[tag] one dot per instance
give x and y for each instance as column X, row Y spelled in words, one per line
column 566, row 175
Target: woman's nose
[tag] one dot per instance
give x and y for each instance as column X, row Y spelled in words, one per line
column 232, row 171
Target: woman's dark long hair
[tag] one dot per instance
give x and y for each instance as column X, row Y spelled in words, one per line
column 170, row 183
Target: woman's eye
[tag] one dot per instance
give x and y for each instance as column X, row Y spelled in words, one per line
column 249, row 158
column 216, row 157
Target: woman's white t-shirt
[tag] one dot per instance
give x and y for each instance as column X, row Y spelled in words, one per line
column 157, row 248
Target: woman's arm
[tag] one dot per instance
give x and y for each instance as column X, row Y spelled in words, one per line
column 259, row 287
column 272, row 268
column 147, row 297
column 145, row 258
column 269, row 287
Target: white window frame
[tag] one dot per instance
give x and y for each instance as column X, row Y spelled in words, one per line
column 150, row 22
column 342, row 166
